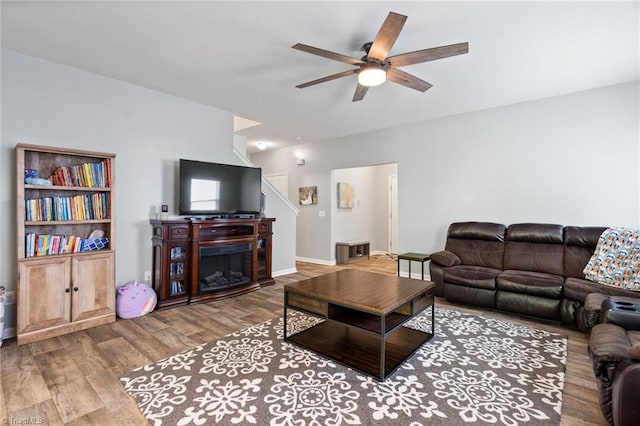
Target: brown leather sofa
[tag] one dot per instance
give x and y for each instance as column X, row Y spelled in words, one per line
column 535, row 270
column 531, row 269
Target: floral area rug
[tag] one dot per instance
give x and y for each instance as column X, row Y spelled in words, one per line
column 474, row 370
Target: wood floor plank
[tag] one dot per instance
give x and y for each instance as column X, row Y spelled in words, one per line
column 148, row 344
column 102, row 333
column 175, row 340
column 44, row 346
column 101, row 417
column 86, row 353
column 152, row 323
column 86, row 387
column 121, row 407
column 22, row 382
column 73, row 395
column 42, row 413
column 124, row 356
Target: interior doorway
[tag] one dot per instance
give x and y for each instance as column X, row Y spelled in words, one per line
column 368, row 217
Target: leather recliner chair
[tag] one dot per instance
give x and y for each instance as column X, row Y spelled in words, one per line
column 466, row 269
column 615, row 354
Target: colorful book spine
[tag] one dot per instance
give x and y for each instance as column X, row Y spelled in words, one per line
column 94, row 206
column 91, row 175
column 47, row 244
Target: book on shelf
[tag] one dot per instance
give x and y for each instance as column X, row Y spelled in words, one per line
column 91, row 175
column 93, row 206
column 47, row 244
column 176, row 287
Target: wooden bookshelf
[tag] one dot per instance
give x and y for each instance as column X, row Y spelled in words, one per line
column 70, row 288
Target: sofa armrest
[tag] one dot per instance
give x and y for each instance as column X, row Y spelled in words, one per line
column 608, row 345
column 608, row 349
column 625, row 390
column 445, row 258
column 634, row 351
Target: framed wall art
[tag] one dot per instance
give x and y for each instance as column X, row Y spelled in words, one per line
column 308, row 195
column 346, row 195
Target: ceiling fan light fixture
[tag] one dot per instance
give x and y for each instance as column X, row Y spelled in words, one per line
column 371, row 76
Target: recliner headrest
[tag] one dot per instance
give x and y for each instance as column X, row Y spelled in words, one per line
column 583, row 236
column 477, row 231
column 542, row 233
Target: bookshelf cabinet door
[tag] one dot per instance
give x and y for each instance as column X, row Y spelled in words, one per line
column 42, row 294
column 93, row 286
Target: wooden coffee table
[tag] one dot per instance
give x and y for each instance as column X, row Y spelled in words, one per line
column 363, row 313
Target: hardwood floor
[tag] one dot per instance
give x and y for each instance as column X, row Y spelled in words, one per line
column 74, row 379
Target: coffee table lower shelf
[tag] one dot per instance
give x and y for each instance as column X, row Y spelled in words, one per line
column 360, row 349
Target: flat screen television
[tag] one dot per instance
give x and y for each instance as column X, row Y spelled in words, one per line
column 212, row 189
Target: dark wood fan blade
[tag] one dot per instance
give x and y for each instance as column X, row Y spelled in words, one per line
column 408, row 80
column 428, row 54
column 327, row 54
column 387, row 36
column 360, row 92
column 327, row 78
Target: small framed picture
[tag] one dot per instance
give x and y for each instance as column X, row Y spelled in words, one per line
column 308, row 195
column 346, row 195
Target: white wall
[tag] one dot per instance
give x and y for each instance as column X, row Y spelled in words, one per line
column 50, row 104
column 284, row 231
column 570, row 160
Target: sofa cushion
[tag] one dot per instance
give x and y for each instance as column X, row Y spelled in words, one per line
column 445, row 258
column 477, row 243
column 470, row 295
column 472, row 276
column 578, row 289
column 528, row 304
column 580, row 243
column 533, row 283
column 535, row 247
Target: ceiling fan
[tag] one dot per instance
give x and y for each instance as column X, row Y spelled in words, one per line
column 374, row 68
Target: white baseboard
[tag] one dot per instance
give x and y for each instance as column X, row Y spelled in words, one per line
column 284, row 272
column 316, row 261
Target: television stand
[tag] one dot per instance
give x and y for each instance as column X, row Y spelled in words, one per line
column 201, row 259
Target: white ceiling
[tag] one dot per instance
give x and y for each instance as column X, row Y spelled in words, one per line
column 237, row 56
